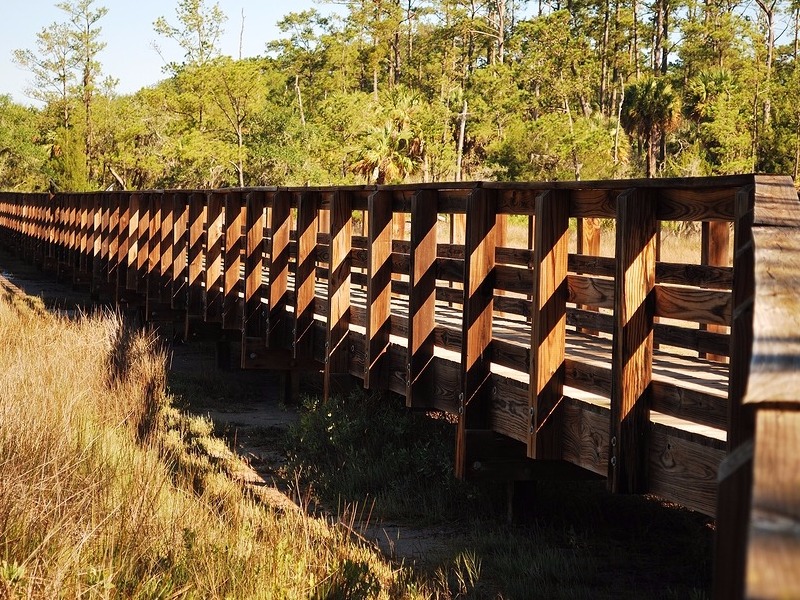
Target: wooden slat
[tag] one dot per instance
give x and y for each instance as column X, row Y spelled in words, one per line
column 280, row 226
column 586, row 437
column 337, row 346
column 422, row 299
column 379, row 290
column 632, row 349
column 548, row 332
column 774, row 538
column 214, row 239
column 683, row 467
column 691, row 304
column 232, row 309
column 712, row 277
column 591, row 291
column 692, row 339
column 476, row 330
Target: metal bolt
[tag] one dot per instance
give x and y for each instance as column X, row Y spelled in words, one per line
column 614, row 441
column 613, row 461
column 461, row 397
column 352, row 348
column 477, row 466
column 253, row 355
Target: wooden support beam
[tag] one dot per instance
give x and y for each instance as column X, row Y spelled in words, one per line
column 379, row 290
column 180, row 237
column 155, row 204
column 548, row 331
column 99, row 242
column 588, row 244
column 422, row 299
column 196, row 255
column 632, row 348
column 232, row 305
column 134, row 215
column 114, row 210
column 123, row 241
column 305, row 275
column 736, row 471
column 280, row 226
column 214, row 230
column 337, row 345
column 253, row 325
column 167, row 250
column 476, row 330
column 715, row 252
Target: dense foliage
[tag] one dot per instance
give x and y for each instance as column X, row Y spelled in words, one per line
column 420, row 90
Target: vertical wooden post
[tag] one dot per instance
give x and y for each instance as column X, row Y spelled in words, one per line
column 736, row 471
column 632, row 347
column 214, row 230
column 114, row 210
column 198, row 207
column 253, row 325
column 549, row 319
column 123, row 241
column 280, row 227
column 180, row 236
column 588, row 243
column 337, row 345
column 421, row 299
column 714, row 252
column 234, row 220
column 480, row 242
column 134, row 215
column 379, row 289
column 143, row 244
column 154, row 251
column 99, row 242
column 167, row 266
column 305, row 275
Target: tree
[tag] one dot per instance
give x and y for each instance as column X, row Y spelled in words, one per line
column 649, row 111
column 85, row 44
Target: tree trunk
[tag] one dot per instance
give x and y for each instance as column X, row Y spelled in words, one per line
column 461, row 132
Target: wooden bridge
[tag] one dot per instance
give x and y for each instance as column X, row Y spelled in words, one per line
column 661, row 374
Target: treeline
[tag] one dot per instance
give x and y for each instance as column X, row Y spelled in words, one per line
column 389, row 91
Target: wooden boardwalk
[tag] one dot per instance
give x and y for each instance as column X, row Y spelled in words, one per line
column 631, row 367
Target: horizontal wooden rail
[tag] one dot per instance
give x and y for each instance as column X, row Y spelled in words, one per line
column 629, row 366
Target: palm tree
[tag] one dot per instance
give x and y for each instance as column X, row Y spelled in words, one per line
column 649, row 110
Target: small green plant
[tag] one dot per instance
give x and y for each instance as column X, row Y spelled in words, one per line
column 370, row 446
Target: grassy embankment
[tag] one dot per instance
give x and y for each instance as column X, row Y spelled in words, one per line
column 107, row 491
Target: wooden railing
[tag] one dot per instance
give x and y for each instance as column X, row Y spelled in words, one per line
column 633, row 366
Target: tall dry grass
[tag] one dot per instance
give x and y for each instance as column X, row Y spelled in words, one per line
column 106, row 491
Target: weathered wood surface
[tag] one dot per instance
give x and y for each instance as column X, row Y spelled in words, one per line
column 773, row 563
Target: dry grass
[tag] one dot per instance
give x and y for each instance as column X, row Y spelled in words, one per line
column 106, row 491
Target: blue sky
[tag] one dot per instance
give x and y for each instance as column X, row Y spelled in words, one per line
column 128, row 32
